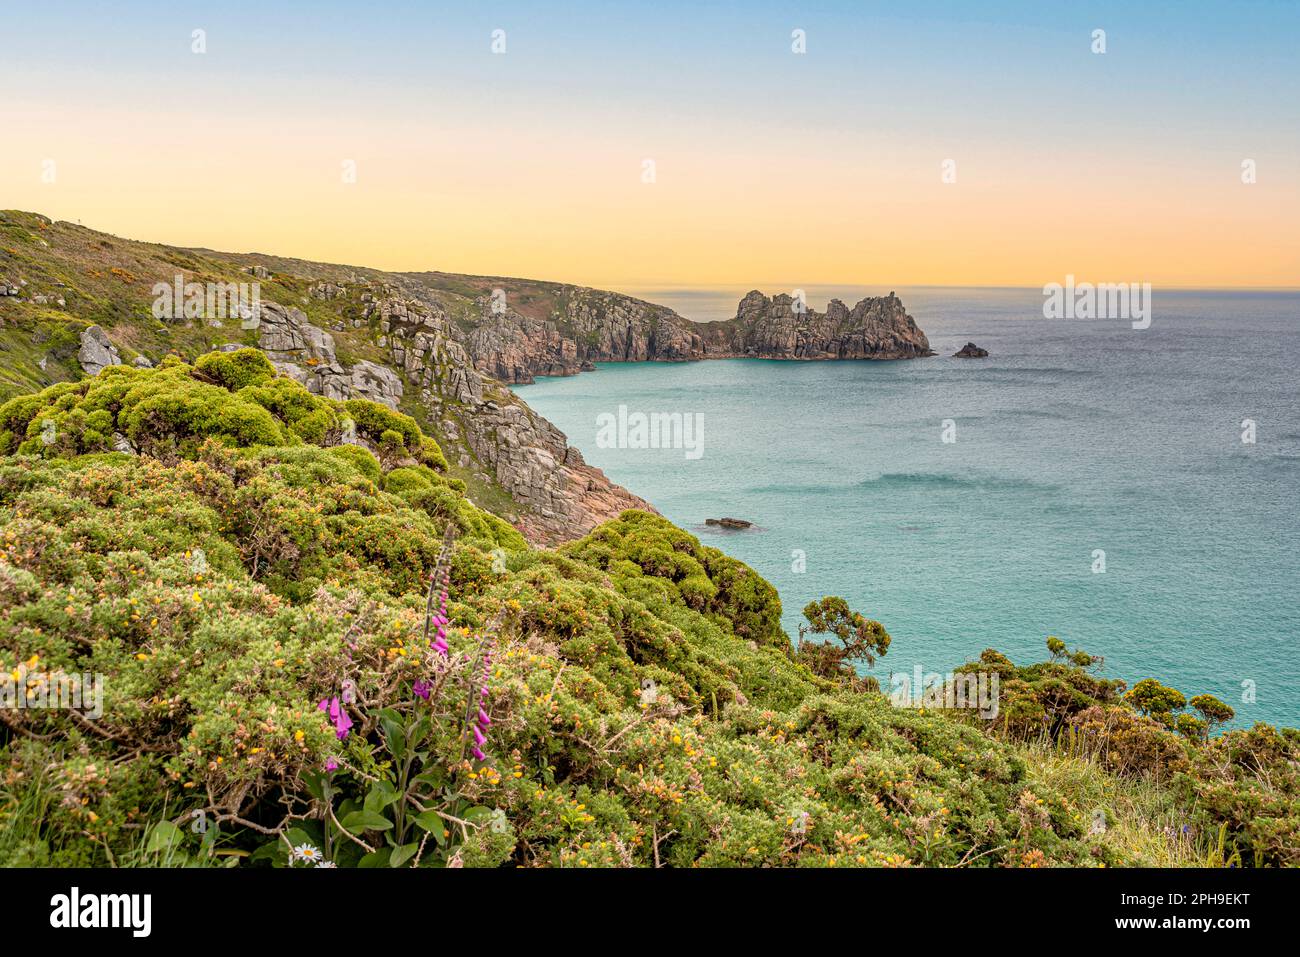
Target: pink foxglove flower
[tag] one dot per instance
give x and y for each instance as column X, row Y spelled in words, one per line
column 338, row 715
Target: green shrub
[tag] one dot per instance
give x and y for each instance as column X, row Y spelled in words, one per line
column 238, row 369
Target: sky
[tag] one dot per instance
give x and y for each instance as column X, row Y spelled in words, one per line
column 769, row 166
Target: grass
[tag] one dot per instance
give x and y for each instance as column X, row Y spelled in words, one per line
column 1142, row 818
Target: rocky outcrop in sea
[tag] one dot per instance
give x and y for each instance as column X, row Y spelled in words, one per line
column 588, row 326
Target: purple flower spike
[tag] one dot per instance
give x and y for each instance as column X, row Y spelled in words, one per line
column 483, row 718
column 479, row 755
column 338, row 714
column 422, row 689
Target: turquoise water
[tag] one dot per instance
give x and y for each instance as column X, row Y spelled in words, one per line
column 1074, row 436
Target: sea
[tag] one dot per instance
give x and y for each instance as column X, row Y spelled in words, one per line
column 1134, row 492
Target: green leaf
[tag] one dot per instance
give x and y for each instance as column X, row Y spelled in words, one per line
column 375, row 859
column 365, row 820
column 431, row 777
column 402, row 854
column 394, row 737
column 431, row 822
column 419, row 731
column 271, row 850
column 380, row 796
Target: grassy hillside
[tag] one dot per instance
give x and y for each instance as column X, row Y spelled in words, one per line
column 285, row 683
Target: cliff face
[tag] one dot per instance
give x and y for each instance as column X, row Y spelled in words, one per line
column 585, row 326
column 484, row 428
column 81, row 300
column 588, row 326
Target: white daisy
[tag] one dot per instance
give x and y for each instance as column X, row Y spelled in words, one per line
column 306, row 852
column 325, row 863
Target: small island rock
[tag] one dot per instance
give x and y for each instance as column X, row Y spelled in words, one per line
column 729, row 522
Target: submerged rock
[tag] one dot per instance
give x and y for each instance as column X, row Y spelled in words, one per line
column 729, row 522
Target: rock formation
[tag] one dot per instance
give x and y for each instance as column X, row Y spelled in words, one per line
column 502, row 440
column 588, row 326
column 96, row 352
column 970, row 351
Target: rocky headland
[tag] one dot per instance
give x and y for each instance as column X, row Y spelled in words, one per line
column 439, row 347
column 586, row 326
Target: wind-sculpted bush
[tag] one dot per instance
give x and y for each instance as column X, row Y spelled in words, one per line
column 1043, row 698
column 858, row 640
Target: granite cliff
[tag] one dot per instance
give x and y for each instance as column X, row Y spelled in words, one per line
column 78, row 301
column 585, row 326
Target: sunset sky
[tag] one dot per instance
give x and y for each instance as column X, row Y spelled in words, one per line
column 769, row 166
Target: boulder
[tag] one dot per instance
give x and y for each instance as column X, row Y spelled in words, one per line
column 96, row 353
column 970, row 351
column 729, row 522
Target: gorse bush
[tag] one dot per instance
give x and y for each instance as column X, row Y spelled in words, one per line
column 235, row 398
column 327, row 656
column 1238, row 791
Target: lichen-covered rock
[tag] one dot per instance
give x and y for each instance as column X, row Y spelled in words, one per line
column 96, row 352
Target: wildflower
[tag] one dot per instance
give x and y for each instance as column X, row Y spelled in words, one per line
column 324, row 863
column 331, row 764
column 306, row 852
column 439, row 579
column 422, row 689
column 482, row 720
column 337, row 713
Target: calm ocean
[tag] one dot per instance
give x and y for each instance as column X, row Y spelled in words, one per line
column 1074, row 436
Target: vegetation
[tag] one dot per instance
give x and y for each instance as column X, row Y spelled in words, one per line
column 321, row 653
column 295, row 609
